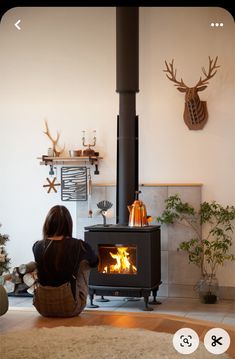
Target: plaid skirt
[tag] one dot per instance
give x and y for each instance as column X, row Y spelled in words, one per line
column 59, row 301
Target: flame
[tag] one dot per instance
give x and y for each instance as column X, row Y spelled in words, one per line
column 123, row 264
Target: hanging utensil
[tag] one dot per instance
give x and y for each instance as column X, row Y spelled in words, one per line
column 89, row 190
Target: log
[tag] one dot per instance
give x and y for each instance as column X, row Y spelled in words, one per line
column 16, row 276
column 9, row 286
column 20, row 288
column 28, row 267
column 31, row 289
column 29, row 279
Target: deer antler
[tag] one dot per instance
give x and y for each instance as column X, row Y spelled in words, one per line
column 47, row 132
column 172, row 74
column 210, row 74
column 54, row 141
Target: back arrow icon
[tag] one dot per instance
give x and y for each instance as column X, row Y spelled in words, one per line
column 17, row 24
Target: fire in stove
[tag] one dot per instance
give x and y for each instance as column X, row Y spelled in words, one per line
column 117, row 259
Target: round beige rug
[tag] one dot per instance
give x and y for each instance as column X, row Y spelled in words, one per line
column 90, row 342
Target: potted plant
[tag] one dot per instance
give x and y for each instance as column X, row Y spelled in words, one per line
column 4, row 260
column 211, row 245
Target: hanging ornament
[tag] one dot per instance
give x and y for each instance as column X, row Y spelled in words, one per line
column 51, row 184
column 51, row 172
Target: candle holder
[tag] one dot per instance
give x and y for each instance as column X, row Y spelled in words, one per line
column 88, row 152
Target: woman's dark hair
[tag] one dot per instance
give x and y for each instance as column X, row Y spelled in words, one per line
column 58, row 222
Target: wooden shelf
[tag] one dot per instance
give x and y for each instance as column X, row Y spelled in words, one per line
column 155, row 184
column 46, row 160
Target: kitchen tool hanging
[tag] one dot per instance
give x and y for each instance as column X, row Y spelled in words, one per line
column 89, row 191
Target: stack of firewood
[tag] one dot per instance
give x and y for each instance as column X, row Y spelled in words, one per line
column 22, row 279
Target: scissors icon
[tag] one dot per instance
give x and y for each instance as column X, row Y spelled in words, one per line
column 216, row 341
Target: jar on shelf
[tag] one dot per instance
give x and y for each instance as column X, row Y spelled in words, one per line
column 50, row 152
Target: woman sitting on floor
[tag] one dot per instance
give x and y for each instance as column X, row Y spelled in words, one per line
column 63, row 267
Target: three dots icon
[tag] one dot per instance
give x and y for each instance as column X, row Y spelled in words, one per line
column 217, row 24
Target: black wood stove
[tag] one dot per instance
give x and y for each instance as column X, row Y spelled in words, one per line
column 130, row 262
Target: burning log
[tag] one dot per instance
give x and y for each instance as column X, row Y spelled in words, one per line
column 123, row 265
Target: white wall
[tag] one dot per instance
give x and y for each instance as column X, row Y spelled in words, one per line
column 172, row 152
column 61, row 66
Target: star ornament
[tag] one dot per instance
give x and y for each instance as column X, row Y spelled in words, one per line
column 51, row 184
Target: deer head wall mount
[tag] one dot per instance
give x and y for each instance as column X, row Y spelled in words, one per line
column 195, row 110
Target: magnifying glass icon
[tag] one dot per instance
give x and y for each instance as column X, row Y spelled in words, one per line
column 185, row 341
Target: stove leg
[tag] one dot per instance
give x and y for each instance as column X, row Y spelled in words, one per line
column 146, row 302
column 155, row 301
column 91, row 305
column 102, row 299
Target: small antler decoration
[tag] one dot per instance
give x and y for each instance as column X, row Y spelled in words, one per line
column 56, row 152
column 104, row 206
column 195, row 110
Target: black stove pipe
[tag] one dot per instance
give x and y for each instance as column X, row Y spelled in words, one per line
column 127, row 78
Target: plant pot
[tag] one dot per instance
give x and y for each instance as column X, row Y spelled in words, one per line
column 209, row 298
column 208, row 288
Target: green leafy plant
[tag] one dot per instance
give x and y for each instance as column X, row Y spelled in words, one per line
column 4, row 260
column 212, row 225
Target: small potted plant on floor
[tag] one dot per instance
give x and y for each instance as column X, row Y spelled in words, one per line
column 4, row 267
column 4, row 260
column 211, row 245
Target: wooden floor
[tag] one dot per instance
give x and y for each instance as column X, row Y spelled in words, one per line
column 28, row 319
